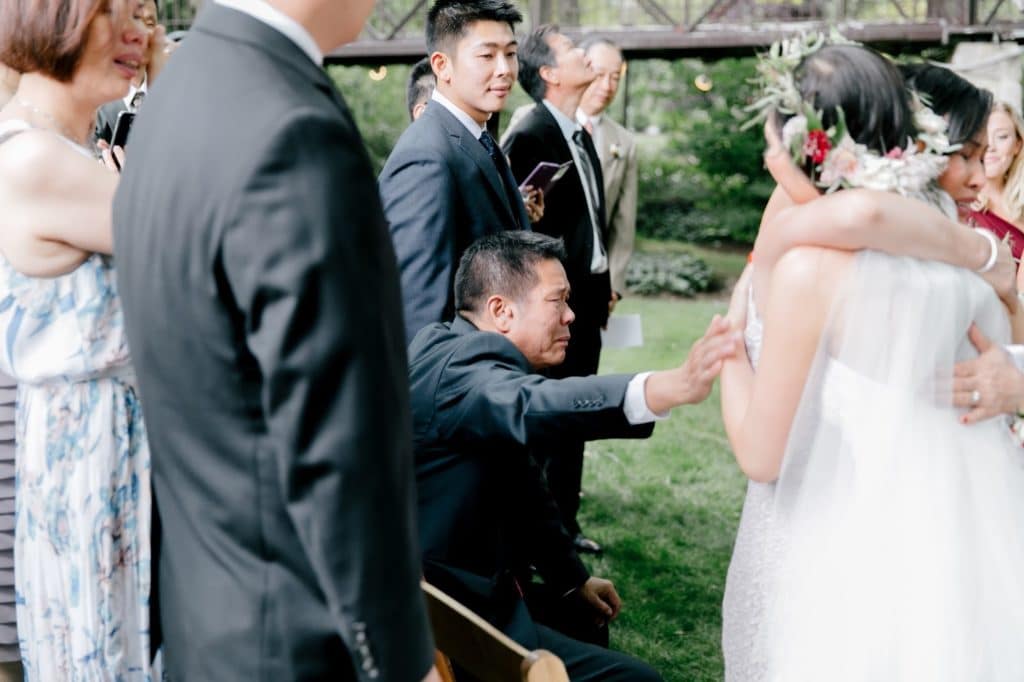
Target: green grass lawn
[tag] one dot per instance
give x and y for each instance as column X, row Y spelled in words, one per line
column 666, row 508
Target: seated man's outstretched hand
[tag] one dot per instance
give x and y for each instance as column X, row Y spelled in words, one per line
column 691, row 383
column 601, row 595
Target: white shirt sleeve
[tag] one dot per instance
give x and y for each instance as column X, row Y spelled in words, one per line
column 635, row 405
column 1017, row 353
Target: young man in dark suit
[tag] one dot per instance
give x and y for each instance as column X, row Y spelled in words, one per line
column 446, row 182
column 262, row 306
column 480, row 407
column 556, row 74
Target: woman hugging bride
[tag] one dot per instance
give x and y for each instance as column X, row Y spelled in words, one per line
column 881, row 538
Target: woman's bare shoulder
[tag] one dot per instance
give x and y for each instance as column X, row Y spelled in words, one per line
column 811, row 270
column 36, row 161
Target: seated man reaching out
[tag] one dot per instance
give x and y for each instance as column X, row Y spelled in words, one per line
column 479, row 407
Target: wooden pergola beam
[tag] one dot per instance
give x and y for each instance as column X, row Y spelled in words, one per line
column 714, row 41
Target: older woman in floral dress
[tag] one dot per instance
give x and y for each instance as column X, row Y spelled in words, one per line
column 83, row 491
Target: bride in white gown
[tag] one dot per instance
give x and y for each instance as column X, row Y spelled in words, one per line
column 887, row 549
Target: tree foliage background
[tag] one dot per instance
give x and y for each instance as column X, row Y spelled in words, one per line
column 701, row 177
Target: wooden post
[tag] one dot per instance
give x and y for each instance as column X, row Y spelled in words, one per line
column 540, row 12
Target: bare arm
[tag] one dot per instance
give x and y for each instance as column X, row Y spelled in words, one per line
column 758, row 409
column 58, row 204
column 865, row 219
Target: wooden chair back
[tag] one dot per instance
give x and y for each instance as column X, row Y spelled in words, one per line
column 480, row 648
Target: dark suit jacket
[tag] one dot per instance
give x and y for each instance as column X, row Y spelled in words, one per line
column 537, row 138
column 441, row 192
column 106, row 119
column 262, row 307
column 478, row 408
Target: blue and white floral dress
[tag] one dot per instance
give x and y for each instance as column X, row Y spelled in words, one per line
column 83, row 500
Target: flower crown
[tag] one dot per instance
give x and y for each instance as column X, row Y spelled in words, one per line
column 835, row 160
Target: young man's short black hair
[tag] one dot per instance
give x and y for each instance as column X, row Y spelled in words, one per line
column 447, row 19
column 534, row 53
column 502, row 264
column 422, row 82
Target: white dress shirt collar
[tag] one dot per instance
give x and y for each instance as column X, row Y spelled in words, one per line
column 465, row 119
column 567, row 125
column 582, row 118
column 293, row 30
column 132, row 91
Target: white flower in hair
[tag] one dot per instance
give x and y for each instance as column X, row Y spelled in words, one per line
column 794, row 128
column 932, row 129
column 831, row 156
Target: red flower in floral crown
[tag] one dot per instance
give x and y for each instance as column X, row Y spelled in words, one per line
column 817, row 145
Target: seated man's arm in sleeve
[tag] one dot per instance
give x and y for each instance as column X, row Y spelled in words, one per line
column 491, row 398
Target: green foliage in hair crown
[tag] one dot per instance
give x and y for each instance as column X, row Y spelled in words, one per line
column 831, row 156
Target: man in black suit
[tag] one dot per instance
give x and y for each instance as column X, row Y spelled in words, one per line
column 556, row 74
column 262, row 305
column 446, row 182
column 479, row 407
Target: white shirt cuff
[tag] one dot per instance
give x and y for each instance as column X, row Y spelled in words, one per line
column 635, row 405
column 1017, row 353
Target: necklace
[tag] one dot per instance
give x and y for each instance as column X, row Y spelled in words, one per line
column 56, row 125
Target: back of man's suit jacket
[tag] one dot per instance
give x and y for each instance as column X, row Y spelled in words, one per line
column 262, row 307
column 441, row 192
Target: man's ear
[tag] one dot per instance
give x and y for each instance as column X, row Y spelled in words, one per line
column 500, row 311
column 442, row 66
column 547, row 74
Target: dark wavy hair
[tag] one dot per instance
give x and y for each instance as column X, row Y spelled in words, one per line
column 966, row 106
column 867, row 87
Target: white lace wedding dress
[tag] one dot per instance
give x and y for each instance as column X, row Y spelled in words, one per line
column 743, row 605
column 892, row 545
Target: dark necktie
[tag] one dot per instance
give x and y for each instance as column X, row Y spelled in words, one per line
column 586, row 168
column 588, row 176
column 505, row 173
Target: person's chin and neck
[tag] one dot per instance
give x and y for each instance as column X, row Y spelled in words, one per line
column 330, row 24
column 475, row 75
column 536, row 323
column 568, row 79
